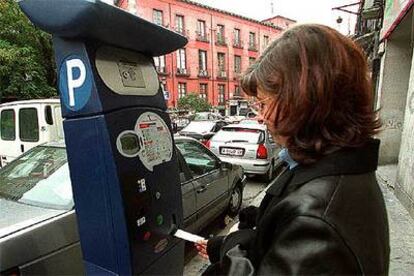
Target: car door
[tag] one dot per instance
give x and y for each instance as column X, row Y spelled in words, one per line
column 188, row 196
column 9, row 143
column 209, row 179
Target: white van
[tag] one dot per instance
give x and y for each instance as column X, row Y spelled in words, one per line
column 26, row 124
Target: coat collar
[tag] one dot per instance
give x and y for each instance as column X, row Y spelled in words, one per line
column 344, row 161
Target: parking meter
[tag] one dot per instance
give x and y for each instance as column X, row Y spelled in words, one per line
column 121, row 153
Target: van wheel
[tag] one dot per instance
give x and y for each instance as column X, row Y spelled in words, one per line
column 236, row 200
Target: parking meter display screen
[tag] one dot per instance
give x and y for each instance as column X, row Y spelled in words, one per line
column 131, row 74
column 130, row 144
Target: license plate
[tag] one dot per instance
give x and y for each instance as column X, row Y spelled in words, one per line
column 230, row 151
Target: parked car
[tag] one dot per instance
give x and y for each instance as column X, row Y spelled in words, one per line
column 206, row 116
column 38, row 228
column 248, row 145
column 202, row 130
column 26, row 124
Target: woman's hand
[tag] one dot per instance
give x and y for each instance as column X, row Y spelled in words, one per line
column 202, row 248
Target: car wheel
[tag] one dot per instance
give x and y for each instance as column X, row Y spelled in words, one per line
column 236, row 199
column 269, row 174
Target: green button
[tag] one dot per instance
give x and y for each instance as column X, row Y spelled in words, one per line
column 160, row 220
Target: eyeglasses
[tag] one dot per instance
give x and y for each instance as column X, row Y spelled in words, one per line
column 262, row 103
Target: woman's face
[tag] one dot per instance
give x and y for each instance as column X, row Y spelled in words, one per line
column 267, row 111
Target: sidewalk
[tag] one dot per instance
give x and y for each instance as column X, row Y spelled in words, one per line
column 400, row 223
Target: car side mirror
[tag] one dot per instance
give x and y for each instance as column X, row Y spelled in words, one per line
column 208, row 136
column 226, row 165
column 182, row 177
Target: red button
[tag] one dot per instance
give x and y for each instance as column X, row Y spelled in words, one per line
column 147, row 236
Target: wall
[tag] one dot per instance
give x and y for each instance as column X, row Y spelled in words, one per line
column 405, row 175
column 395, row 72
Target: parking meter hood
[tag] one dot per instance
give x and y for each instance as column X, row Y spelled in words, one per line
column 97, row 20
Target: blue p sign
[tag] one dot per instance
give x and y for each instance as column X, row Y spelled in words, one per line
column 75, row 83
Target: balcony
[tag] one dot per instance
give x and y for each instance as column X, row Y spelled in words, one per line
column 182, row 31
column 162, row 70
column 238, row 43
column 253, row 47
column 221, row 40
column 222, row 74
column 203, row 74
column 203, row 37
column 182, row 72
column 236, row 75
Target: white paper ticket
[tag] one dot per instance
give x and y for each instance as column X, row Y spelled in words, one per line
column 188, row 236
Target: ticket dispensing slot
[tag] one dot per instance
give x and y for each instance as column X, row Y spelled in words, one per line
column 120, row 147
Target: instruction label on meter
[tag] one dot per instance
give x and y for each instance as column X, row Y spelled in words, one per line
column 156, row 140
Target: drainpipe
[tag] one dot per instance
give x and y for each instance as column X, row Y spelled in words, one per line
column 212, row 59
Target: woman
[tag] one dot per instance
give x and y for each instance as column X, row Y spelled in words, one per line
column 325, row 214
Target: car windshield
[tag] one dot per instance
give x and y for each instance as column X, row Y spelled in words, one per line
column 199, row 127
column 39, row 178
column 239, row 135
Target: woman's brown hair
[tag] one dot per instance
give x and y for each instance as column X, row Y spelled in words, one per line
column 320, row 90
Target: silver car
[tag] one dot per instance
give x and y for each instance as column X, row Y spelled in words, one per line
column 38, row 228
column 249, row 145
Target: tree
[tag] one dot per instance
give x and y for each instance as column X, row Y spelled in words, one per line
column 193, row 102
column 27, row 68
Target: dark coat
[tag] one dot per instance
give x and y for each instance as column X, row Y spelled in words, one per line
column 326, row 218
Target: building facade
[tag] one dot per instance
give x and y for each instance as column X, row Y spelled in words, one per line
column 395, row 96
column 221, row 45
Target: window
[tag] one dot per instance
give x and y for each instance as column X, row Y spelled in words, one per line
column 157, row 17
column 202, row 62
column 181, row 64
column 220, row 35
column 199, row 161
column 160, row 64
column 252, row 60
column 252, row 40
column 8, row 125
column 48, row 115
column 203, row 91
column 179, row 23
column 221, row 62
column 201, row 29
column 237, row 91
column 265, row 41
column 237, row 64
column 237, row 41
column 28, row 125
column 221, row 97
column 182, row 89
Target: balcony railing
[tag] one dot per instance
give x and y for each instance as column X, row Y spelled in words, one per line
column 253, row 47
column 238, row 43
column 203, row 73
column 184, row 72
column 182, row 31
column 221, row 40
column 203, row 37
column 161, row 70
column 236, row 75
column 222, row 74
